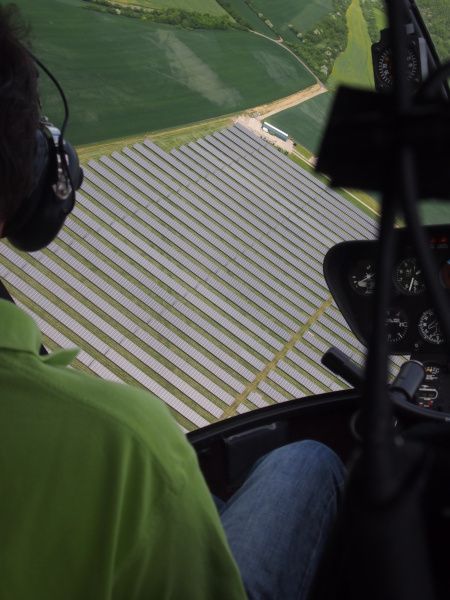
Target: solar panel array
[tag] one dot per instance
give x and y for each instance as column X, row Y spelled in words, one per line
column 196, row 274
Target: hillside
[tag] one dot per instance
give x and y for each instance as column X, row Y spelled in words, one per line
column 128, row 76
column 315, row 30
column 436, row 15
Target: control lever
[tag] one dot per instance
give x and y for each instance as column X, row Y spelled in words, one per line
column 343, row 366
column 401, row 391
column 405, row 384
column 407, row 381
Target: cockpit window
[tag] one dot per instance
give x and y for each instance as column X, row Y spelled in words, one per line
column 435, row 14
column 192, row 263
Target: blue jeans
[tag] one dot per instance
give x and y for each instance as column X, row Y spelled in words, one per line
column 278, row 522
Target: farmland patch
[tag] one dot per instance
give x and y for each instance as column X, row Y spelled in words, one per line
column 203, row 6
column 129, row 77
column 354, row 65
column 306, row 121
column 248, row 15
column 303, row 14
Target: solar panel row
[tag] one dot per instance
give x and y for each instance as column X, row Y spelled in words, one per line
column 182, row 326
column 270, row 188
column 255, row 211
column 309, row 197
column 203, row 262
column 212, row 248
column 228, row 308
column 301, row 228
column 174, row 252
column 241, row 353
column 262, row 245
column 64, row 342
column 149, row 339
column 306, row 203
column 130, row 154
column 296, row 173
column 271, row 213
column 162, row 165
column 119, row 339
column 203, row 259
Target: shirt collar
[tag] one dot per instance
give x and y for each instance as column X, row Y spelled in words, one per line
column 20, row 333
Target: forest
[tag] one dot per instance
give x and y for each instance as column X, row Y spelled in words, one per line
column 436, row 14
column 178, row 17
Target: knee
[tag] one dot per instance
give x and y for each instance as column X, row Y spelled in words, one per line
column 309, row 460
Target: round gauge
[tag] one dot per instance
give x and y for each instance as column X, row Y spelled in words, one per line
column 444, row 274
column 429, row 328
column 384, row 64
column 408, row 277
column 384, row 68
column 396, row 325
column 412, row 64
column 362, row 277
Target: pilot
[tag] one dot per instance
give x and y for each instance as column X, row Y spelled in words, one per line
column 101, row 494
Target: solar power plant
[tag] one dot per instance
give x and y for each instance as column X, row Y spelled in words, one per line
column 196, row 274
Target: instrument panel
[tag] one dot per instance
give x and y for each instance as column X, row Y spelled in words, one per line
column 411, row 320
column 412, row 325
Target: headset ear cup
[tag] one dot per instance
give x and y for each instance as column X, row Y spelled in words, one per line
column 43, row 214
column 75, row 172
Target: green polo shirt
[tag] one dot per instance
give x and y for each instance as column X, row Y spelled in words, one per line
column 101, row 496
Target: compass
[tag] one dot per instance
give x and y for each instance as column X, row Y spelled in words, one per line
column 383, row 62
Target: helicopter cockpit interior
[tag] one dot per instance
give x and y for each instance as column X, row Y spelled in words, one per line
column 413, row 327
column 394, row 294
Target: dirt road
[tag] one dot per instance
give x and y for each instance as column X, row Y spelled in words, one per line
column 266, row 110
column 253, row 117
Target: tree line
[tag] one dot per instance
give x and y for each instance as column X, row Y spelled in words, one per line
column 234, row 14
column 368, row 8
column 171, row 16
column 320, row 46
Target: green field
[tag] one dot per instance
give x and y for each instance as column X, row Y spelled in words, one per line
column 123, row 76
column 303, row 14
column 434, row 211
column 202, row 6
column 251, row 17
column 380, row 18
column 354, row 65
column 436, row 14
column 306, row 121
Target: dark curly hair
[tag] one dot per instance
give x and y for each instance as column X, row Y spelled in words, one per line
column 19, row 112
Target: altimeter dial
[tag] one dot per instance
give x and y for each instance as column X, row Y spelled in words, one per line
column 429, row 328
column 396, row 325
column 362, row 277
column 409, row 277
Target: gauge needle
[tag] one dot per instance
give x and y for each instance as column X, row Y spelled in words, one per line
column 411, row 284
column 365, row 280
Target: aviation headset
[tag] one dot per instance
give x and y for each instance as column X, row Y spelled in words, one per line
column 56, row 177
